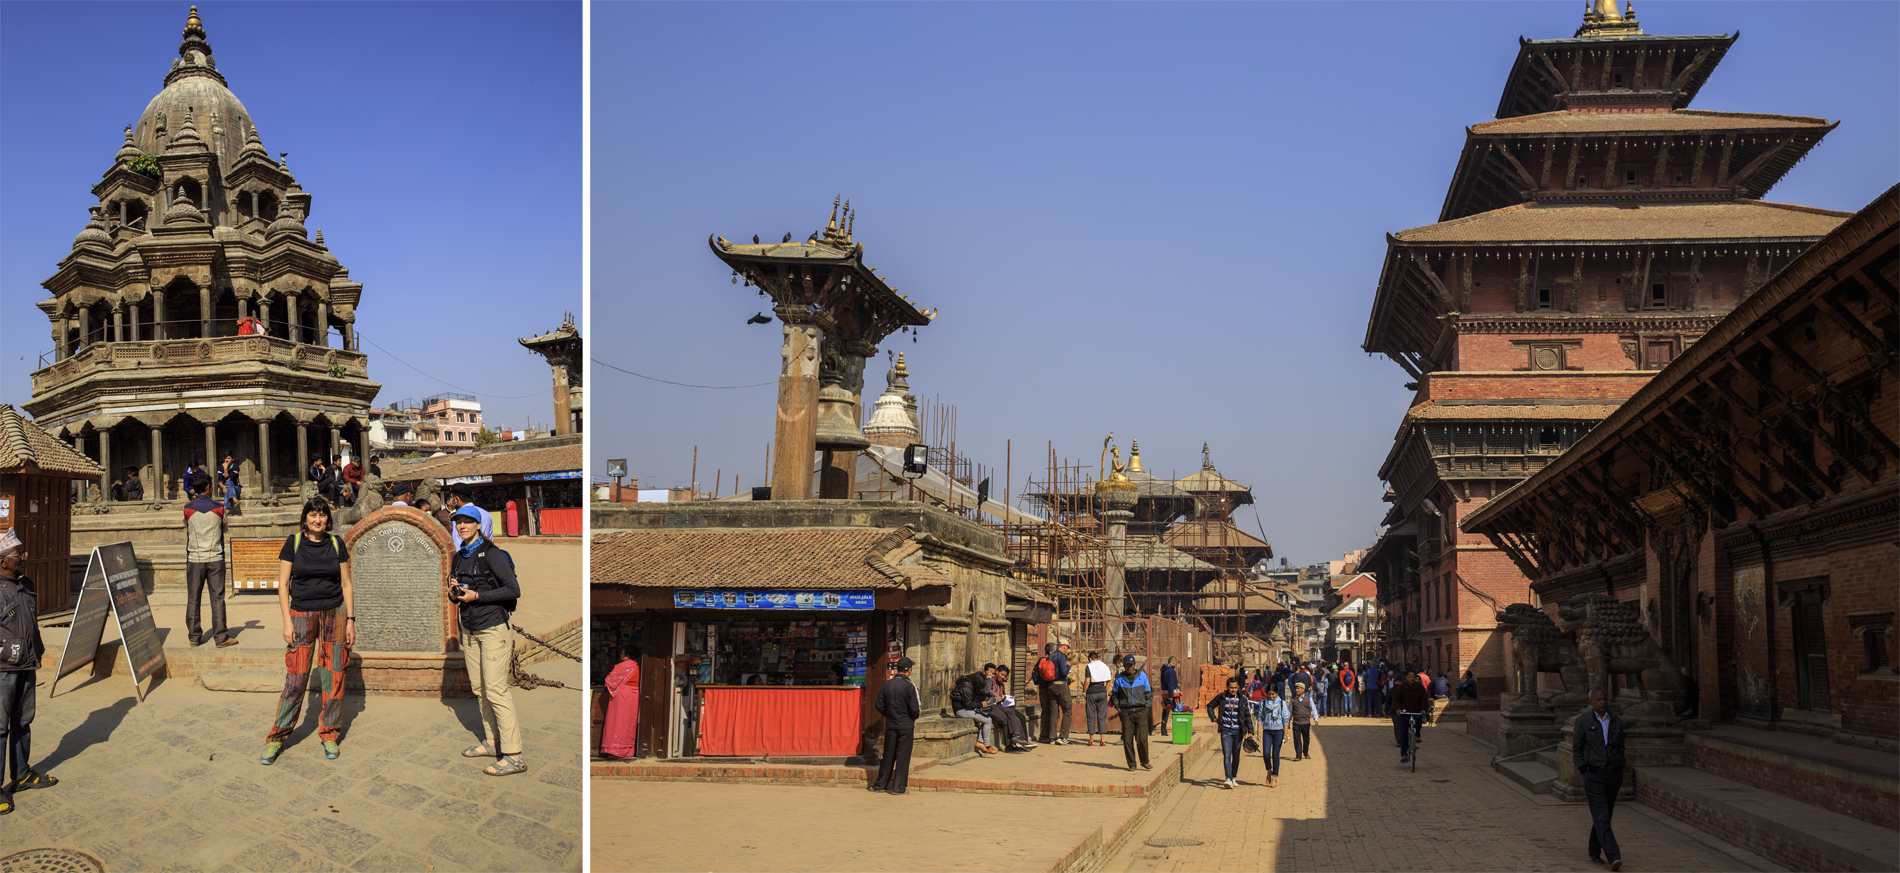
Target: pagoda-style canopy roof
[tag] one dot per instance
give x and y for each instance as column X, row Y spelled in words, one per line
column 1568, row 225
column 1222, row 596
column 25, row 448
column 567, row 333
column 1139, row 555
column 1506, row 162
column 823, row 277
column 1202, row 535
column 1540, row 78
column 1230, row 495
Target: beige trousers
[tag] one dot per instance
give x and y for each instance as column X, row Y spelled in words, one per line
column 487, row 654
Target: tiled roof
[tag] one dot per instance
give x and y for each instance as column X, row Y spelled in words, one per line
column 747, row 558
column 1512, row 412
column 557, row 458
column 1139, row 555
column 24, row 445
column 1643, row 122
column 1203, row 534
column 1208, row 480
column 1531, row 222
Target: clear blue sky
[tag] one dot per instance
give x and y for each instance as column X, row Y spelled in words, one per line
column 441, row 143
column 1164, row 220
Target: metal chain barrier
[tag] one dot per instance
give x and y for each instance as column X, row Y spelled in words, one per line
column 521, row 678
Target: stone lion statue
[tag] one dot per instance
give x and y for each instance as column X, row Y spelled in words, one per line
column 1539, row 646
column 1611, row 640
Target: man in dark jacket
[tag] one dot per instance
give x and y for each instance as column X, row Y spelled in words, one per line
column 1170, row 693
column 1596, row 749
column 1408, row 697
column 969, row 698
column 20, row 650
column 898, row 702
column 1132, row 697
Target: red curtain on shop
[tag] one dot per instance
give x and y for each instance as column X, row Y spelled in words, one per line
column 759, row 720
column 561, row 522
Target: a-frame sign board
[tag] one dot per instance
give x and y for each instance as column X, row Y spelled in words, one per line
column 112, row 583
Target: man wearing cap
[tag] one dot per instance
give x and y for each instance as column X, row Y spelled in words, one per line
column 204, row 564
column 484, row 587
column 901, row 706
column 401, row 494
column 460, row 496
column 20, row 649
column 1133, row 696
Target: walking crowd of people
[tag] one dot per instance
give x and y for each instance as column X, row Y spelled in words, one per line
column 1263, row 710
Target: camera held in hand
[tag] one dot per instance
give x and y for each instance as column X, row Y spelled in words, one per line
column 455, row 591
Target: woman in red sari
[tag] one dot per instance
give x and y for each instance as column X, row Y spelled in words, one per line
column 623, row 707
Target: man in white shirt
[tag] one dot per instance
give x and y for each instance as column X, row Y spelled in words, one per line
column 1095, row 699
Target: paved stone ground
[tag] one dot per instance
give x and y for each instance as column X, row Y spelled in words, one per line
column 1354, row 807
column 173, row 783
column 642, row 826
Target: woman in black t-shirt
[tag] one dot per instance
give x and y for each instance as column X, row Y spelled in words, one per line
column 319, row 609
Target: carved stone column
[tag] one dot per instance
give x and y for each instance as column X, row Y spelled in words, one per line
column 1115, row 504
column 211, row 446
column 204, row 311
column 155, row 489
column 161, row 320
column 263, row 458
column 303, row 461
column 322, row 336
column 118, row 322
column 85, row 328
column 795, row 437
column 840, row 383
column 263, row 312
column 132, row 310
column 59, row 338
column 105, row 463
column 295, row 318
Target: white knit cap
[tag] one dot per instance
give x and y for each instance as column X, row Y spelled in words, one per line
column 9, row 541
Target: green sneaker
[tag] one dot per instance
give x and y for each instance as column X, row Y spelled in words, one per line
column 271, row 751
column 330, row 749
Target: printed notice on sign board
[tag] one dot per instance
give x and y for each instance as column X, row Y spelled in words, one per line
column 770, row 598
column 112, row 584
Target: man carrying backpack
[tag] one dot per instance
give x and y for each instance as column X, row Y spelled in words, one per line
column 968, row 699
column 1052, row 681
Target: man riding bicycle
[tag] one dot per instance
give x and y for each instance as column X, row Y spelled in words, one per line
column 1411, row 703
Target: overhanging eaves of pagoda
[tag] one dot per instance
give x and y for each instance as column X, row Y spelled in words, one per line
column 1514, row 160
column 1540, row 78
column 1202, row 536
column 817, row 271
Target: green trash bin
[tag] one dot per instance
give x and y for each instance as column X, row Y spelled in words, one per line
column 1181, row 726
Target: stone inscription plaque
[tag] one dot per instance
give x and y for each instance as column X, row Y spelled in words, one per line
column 397, row 573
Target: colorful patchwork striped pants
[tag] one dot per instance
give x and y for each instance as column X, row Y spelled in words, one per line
column 318, row 634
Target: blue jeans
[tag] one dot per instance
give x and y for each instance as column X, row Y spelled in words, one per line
column 1373, row 709
column 1402, row 731
column 1230, row 752
column 1319, row 702
column 1270, row 749
column 1345, row 698
column 16, row 726
column 230, row 495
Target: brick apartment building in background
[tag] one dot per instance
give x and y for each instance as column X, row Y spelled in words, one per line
column 1593, row 231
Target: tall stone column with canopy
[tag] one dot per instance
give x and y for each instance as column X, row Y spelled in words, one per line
column 1115, row 499
column 835, row 311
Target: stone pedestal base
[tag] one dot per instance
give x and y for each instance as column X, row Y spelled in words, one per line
column 1645, row 744
column 945, row 739
column 1528, row 726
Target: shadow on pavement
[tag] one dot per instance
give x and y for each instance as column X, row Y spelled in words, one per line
column 96, row 729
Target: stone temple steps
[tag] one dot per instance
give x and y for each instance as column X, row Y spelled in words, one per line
column 1535, row 771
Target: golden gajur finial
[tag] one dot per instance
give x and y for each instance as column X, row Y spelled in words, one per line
column 192, row 20
column 1134, row 457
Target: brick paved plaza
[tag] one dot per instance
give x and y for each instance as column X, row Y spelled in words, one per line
column 1354, row 807
column 1351, row 807
column 174, row 784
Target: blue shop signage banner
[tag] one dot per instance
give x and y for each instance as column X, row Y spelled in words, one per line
column 559, row 474
column 771, row 598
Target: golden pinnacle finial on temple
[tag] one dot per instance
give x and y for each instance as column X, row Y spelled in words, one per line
column 831, row 227
column 193, row 22
column 1134, row 457
column 1206, row 462
column 901, row 369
